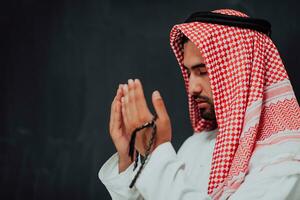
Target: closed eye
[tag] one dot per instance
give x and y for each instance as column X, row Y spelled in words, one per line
column 198, row 70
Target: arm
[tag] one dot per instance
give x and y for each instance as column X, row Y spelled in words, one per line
column 164, row 177
column 117, row 183
column 117, row 171
column 274, row 176
column 129, row 110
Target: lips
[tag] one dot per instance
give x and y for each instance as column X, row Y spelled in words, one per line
column 198, row 100
column 202, row 105
column 201, row 101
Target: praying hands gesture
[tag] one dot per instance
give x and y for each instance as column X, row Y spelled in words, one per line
column 129, row 110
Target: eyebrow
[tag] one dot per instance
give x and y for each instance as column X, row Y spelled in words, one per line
column 194, row 66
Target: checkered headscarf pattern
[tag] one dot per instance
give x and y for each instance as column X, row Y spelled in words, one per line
column 240, row 63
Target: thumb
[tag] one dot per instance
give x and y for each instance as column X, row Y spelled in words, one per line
column 159, row 105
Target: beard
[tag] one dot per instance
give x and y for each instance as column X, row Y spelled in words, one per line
column 207, row 113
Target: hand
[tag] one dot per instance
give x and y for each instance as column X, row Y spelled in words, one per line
column 118, row 133
column 135, row 113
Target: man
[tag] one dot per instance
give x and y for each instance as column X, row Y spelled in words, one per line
column 246, row 141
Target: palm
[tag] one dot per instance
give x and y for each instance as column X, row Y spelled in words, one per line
column 121, row 138
column 117, row 128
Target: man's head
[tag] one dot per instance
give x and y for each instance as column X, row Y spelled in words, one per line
column 199, row 83
column 249, row 85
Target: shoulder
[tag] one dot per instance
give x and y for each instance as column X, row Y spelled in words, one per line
column 283, row 156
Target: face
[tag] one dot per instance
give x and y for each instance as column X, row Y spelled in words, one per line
column 199, row 83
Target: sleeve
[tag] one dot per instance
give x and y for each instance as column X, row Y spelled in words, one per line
column 164, row 177
column 277, row 177
column 117, row 183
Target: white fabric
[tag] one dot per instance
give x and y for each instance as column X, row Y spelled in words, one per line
column 274, row 173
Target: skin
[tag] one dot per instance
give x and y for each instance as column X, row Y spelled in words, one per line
column 129, row 108
column 117, row 131
column 199, row 82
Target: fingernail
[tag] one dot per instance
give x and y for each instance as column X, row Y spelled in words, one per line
column 156, row 94
column 130, row 81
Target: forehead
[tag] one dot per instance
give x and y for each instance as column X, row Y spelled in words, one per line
column 191, row 54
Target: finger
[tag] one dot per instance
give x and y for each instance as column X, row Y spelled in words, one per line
column 125, row 102
column 159, row 106
column 125, row 93
column 132, row 110
column 124, row 115
column 117, row 114
column 119, row 93
column 140, row 99
column 116, row 124
column 131, row 88
column 113, row 110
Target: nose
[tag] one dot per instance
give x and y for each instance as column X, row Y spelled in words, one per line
column 195, row 87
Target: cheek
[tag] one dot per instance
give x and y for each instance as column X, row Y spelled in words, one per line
column 208, row 87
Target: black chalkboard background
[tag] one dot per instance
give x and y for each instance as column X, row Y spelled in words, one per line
column 62, row 61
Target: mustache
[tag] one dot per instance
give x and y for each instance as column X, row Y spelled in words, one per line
column 201, row 98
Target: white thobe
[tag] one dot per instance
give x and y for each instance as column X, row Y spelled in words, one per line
column 274, row 173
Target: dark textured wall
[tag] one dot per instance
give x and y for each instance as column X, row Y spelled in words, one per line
column 62, row 62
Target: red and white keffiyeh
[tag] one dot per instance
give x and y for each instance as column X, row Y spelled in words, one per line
column 254, row 101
